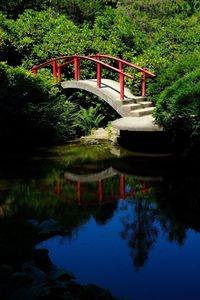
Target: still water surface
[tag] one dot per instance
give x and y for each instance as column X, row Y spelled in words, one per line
column 132, row 222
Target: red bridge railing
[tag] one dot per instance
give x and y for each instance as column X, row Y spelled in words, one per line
column 61, row 62
column 99, row 194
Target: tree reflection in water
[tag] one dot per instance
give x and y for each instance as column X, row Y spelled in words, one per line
column 162, row 207
column 140, row 231
column 178, row 201
column 174, row 230
column 170, row 206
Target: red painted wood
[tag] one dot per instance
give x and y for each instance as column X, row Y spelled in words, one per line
column 144, row 83
column 34, row 70
column 122, row 187
column 59, row 73
column 66, row 60
column 58, row 187
column 92, row 56
column 103, row 64
column 98, row 71
column 54, row 66
column 127, row 64
column 121, row 81
column 76, row 68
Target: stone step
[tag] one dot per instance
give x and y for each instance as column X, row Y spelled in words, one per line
column 127, row 108
column 146, row 123
column 141, row 112
column 140, row 99
column 146, row 104
column 135, row 99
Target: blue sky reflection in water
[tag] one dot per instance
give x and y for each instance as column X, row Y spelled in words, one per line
column 145, row 247
column 131, row 255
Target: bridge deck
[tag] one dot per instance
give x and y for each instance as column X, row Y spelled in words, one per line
column 110, row 92
column 146, row 123
column 136, row 111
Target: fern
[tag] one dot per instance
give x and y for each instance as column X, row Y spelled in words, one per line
column 87, row 119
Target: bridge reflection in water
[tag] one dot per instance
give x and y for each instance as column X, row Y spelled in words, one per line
column 93, row 189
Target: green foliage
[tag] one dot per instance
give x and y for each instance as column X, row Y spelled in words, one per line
column 168, row 43
column 52, row 35
column 32, row 109
column 170, row 72
column 150, row 15
column 87, row 119
column 87, row 100
column 176, row 93
column 181, row 98
column 178, row 108
column 77, row 10
column 115, row 33
column 163, row 36
column 44, row 39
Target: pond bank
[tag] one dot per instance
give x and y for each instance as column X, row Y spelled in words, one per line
column 100, row 135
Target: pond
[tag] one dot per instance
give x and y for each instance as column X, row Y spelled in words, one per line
column 131, row 220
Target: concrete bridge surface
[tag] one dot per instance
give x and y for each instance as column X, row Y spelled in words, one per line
column 133, row 106
column 136, row 111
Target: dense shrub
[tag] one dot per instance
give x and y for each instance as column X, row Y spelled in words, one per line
column 46, row 34
column 162, row 36
column 170, row 72
column 178, row 109
column 32, row 109
column 77, row 10
column 152, row 15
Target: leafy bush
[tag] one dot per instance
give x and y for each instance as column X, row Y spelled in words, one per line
column 158, row 35
column 178, row 108
column 46, row 34
column 77, row 10
column 32, row 109
column 53, row 35
column 151, row 15
column 170, row 72
column 87, row 119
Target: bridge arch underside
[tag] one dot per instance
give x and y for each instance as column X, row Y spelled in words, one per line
column 109, row 91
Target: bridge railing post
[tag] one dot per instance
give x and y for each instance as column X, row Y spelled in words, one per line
column 121, row 81
column 54, row 66
column 34, row 70
column 144, row 83
column 122, row 186
column 76, row 68
column 58, row 187
column 59, row 73
column 98, row 71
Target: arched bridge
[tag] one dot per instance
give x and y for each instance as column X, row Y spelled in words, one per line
column 113, row 92
column 98, row 192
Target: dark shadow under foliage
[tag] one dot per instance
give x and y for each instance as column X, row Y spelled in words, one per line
column 76, row 10
column 32, row 110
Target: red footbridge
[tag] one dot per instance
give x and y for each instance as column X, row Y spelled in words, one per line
column 114, row 92
column 87, row 193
